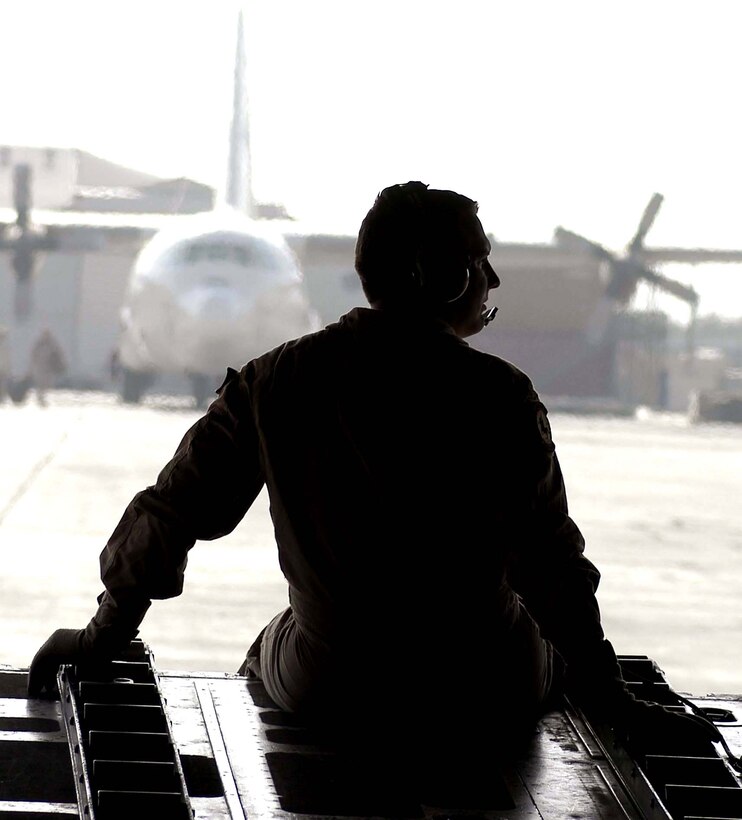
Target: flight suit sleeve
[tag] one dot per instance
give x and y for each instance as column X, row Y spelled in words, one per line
column 549, row 570
column 201, row 494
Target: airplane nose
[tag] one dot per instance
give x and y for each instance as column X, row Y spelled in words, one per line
column 209, row 305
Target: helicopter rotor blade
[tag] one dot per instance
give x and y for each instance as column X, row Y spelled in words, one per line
column 678, row 289
column 646, row 222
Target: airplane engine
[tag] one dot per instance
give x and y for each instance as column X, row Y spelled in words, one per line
column 217, row 292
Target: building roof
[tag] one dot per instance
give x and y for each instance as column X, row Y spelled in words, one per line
column 71, row 179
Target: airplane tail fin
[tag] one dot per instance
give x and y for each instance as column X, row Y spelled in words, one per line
column 239, row 170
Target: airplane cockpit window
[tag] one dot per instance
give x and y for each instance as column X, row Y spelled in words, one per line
column 256, row 255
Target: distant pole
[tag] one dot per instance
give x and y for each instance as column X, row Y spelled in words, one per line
column 690, row 335
column 24, row 240
column 239, row 171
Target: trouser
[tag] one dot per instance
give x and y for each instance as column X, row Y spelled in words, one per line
column 300, row 675
column 291, row 666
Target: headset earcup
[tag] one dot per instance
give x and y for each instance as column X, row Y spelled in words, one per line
column 462, row 285
column 440, row 283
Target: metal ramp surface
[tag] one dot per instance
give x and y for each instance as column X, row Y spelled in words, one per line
column 240, row 757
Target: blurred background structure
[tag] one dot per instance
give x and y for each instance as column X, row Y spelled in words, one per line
column 602, row 143
column 210, row 111
column 568, row 308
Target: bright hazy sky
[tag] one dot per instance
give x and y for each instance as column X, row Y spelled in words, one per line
column 548, row 113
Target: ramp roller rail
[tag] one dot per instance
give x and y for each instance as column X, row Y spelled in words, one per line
column 677, row 779
column 124, row 760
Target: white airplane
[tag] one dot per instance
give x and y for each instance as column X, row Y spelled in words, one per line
column 216, row 289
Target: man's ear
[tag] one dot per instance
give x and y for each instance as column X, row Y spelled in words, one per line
column 443, row 278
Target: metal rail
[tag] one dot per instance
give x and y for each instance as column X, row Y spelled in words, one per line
column 678, row 779
column 123, row 757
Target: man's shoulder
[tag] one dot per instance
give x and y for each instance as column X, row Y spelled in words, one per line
column 290, row 354
column 499, row 371
column 304, row 345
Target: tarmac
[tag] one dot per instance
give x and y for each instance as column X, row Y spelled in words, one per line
column 657, row 498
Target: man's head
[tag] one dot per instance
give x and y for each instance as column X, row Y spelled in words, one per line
column 426, row 250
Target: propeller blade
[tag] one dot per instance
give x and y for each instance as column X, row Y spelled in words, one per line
column 682, row 291
column 646, row 222
column 626, row 274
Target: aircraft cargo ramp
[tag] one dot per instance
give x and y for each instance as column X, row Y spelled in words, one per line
column 129, row 741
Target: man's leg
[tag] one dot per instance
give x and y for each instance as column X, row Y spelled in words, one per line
column 536, row 671
column 290, row 667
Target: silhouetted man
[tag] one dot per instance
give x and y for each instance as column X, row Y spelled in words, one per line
column 420, row 514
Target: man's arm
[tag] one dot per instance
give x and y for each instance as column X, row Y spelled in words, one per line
column 201, row 494
column 549, row 569
column 558, row 584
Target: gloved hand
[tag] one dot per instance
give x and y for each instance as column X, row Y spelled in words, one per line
column 651, row 728
column 596, row 684
column 110, row 631
column 63, row 646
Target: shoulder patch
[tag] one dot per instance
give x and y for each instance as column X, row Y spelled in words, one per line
column 542, row 423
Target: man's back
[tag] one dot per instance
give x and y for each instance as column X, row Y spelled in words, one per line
column 388, row 449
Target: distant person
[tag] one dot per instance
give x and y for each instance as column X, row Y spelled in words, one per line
column 4, row 363
column 47, row 365
column 437, row 584
column 115, row 369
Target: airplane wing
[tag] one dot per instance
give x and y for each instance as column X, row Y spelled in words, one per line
column 82, row 230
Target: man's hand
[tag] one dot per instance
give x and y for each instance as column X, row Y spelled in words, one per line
column 652, row 728
column 596, row 684
column 108, row 633
column 64, row 646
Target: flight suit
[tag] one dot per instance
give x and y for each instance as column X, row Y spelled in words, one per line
column 420, row 517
